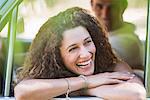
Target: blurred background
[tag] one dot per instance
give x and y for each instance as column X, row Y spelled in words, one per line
column 33, row 13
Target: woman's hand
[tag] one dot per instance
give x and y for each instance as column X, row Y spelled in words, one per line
column 108, row 78
column 123, row 91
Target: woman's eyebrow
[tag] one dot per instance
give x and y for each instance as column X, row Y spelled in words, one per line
column 87, row 38
column 71, row 46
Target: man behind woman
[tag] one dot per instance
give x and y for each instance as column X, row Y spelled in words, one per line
column 122, row 35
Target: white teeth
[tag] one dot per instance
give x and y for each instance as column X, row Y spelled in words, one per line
column 84, row 64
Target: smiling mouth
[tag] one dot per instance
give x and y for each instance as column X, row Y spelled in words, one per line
column 84, row 64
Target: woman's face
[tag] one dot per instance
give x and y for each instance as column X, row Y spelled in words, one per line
column 78, row 51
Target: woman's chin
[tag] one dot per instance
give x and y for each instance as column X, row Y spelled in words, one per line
column 88, row 70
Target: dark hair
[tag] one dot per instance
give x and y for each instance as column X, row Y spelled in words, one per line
column 44, row 59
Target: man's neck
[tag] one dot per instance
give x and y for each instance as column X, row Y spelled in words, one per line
column 116, row 25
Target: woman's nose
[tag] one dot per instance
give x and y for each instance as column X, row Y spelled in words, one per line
column 84, row 53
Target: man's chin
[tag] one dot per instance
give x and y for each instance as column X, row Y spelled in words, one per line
column 107, row 25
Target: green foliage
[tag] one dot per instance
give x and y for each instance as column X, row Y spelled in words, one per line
column 137, row 3
column 51, row 3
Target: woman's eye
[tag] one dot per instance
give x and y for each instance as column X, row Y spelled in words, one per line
column 72, row 49
column 88, row 41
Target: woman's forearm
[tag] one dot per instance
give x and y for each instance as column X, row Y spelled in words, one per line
column 124, row 91
column 37, row 89
column 43, row 89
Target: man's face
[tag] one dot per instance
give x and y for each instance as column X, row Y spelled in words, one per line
column 103, row 11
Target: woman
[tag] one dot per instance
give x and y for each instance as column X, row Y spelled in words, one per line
column 71, row 53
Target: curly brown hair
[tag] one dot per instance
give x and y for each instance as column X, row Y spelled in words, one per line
column 44, row 59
